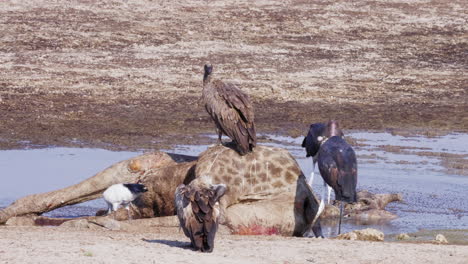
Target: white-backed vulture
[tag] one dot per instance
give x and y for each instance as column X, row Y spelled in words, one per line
column 231, row 110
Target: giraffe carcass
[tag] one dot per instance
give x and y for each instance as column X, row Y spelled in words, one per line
column 267, row 191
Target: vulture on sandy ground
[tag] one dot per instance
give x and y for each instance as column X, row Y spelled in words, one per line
column 197, row 206
column 231, row 110
column 338, row 166
column 122, row 194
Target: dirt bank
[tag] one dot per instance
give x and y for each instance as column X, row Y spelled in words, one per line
column 115, row 74
column 59, row 245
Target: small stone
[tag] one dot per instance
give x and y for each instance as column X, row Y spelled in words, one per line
column 348, row 236
column 80, row 223
column 403, row 236
column 108, row 223
column 368, row 234
column 440, row 239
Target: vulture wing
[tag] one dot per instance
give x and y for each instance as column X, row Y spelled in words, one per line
column 199, row 216
column 237, row 120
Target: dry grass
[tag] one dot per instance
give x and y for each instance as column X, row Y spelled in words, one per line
column 111, row 72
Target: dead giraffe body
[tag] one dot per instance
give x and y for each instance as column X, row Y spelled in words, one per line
column 265, row 188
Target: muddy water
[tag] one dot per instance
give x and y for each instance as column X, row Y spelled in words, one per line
column 32, row 171
column 434, row 198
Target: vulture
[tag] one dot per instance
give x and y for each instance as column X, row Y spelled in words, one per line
column 122, row 194
column 197, row 207
column 231, row 111
column 338, row 166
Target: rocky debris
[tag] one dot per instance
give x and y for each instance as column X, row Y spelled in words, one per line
column 330, row 211
column 79, row 223
column 108, row 223
column 403, row 236
column 369, row 207
column 348, row 236
column 368, row 234
column 440, row 239
column 21, row 221
column 98, row 223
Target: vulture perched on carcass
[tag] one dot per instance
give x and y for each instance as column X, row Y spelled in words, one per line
column 231, row 110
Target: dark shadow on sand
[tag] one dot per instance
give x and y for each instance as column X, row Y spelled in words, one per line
column 171, row 243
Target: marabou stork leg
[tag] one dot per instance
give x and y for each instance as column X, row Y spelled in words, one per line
column 329, row 193
column 311, row 178
column 341, row 216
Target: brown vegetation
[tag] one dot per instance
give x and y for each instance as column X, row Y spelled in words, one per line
column 128, row 74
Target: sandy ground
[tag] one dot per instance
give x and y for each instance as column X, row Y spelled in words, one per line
column 59, row 245
column 127, row 74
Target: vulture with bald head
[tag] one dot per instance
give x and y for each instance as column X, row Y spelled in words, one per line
column 197, row 206
column 231, row 110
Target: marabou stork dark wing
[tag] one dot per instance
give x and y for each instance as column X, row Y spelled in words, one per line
column 328, row 169
column 338, row 167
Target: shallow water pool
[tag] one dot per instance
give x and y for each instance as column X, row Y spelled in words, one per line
column 33, row 171
column 434, row 198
